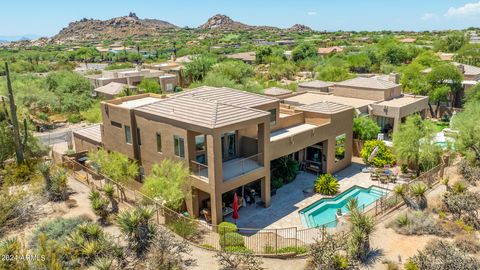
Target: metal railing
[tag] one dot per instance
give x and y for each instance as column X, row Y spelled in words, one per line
column 199, row 169
column 241, row 166
column 268, row 242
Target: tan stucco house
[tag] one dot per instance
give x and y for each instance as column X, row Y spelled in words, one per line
column 226, row 137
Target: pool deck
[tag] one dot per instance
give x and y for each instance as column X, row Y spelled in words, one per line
column 283, row 212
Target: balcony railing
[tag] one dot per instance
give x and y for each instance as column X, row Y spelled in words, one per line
column 200, row 170
column 239, row 166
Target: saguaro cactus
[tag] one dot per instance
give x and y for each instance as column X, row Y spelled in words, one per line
column 19, row 144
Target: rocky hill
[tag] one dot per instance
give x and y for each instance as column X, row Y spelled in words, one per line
column 299, row 28
column 115, row 28
column 223, row 22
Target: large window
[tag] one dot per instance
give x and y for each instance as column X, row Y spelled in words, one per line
column 273, row 116
column 128, row 135
column 340, row 147
column 229, row 145
column 179, row 146
column 159, row 143
column 200, row 142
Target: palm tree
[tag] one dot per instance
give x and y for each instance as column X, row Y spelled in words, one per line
column 418, row 192
column 109, row 191
column 135, row 225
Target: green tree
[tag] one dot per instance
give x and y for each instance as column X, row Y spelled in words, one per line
column 262, row 53
column 86, row 54
column 303, row 51
column 411, row 143
column 445, row 74
column 149, row 85
column 452, row 42
column 333, row 73
column 365, row 128
column 413, row 81
column 468, row 138
column 359, row 63
column 114, row 165
column 169, row 182
column 473, row 93
column 361, row 228
column 197, row 69
column 236, row 71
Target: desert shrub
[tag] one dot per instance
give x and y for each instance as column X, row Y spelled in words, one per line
column 226, row 227
column 99, row 206
column 57, row 229
column 467, row 244
column 16, row 174
column 14, row 248
column 326, row 184
column 392, row 266
column 74, row 118
column 14, row 208
column 418, row 223
column 383, row 157
column 463, row 206
column 470, row 173
column 365, row 128
column 186, row 228
column 442, row 255
column 237, row 249
column 231, row 239
column 289, row 249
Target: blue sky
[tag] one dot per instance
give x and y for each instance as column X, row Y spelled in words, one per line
column 47, row 17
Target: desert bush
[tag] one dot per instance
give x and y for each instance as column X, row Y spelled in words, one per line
column 186, row 228
column 467, row 244
column 365, row 128
column 470, row 173
column 57, row 229
column 326, row 184
column 383, row 157
column 226, row 227
column 232, row 239
column 464, row 206
column 289, row 249
column 137, row 227
column 284, row 171
column 418, row 223
column 99, row 206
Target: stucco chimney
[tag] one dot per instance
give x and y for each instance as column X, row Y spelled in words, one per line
column 394, row 77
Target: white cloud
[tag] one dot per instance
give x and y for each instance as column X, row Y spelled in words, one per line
column 311, row 13
column 428, row 16
column 466, row 10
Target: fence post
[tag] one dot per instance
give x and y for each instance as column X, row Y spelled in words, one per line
column 276, row 241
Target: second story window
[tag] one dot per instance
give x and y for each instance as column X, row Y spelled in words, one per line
column 159, row 143
column 128, row 135
column 200, row 142
column 179, row 146
column 273, row 116
column 115, row 124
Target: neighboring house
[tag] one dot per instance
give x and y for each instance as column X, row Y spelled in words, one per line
column 132, row 77
column 379, row 97
column 247, row 57
column 329, row 50
column 316, row 85
column 111, row 90
column 277, row 92
column 446, row 56
column 226, row 137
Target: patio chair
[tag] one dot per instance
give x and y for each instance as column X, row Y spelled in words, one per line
column 392, row 178
column 374, row 176
column 383, row 179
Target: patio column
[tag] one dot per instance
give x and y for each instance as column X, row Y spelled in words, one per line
column 191, row 201
column 396, row 124
column 215, row 176
column 263, row 136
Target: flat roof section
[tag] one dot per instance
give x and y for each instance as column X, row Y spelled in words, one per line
column 316, row 84
column 290, row 131
column 371, row 82
column 92, row 133
column 324, row 107
column 401, row 101
column 135, row 103
column 229, row 96
column 310, row 98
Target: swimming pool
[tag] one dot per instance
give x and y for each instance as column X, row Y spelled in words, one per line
column 323, row 211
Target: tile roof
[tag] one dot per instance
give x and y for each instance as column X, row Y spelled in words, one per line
column 201, row 112
column 324, row 107
column 316, row 84
column 93, row 133
column 469, row 69
column 245, row 56
column 229, row 96
column 372, row 83
column 113, row 88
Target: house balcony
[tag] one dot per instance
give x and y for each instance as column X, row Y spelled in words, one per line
column 230, row 169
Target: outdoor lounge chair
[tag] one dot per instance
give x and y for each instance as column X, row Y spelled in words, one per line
column 374, row 177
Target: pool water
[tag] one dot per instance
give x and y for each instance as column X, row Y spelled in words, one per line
column 323, row 211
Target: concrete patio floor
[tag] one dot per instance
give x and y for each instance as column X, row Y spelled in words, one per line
column 283, row 211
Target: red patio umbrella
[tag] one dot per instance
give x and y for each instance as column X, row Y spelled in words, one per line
column 235, row 207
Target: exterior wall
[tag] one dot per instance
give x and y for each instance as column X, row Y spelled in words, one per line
column 83, row 144
column 114, row 137
column 315, row 89
column 168, row 80
column 362, row 93
column 341, row 123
